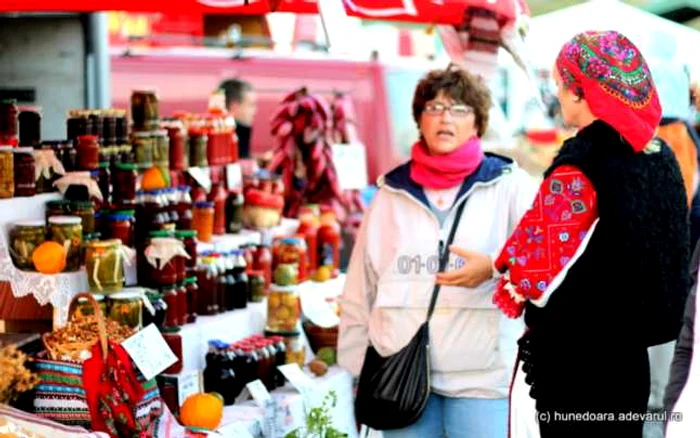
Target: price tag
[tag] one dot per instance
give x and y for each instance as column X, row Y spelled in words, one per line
column 350, row 163
column 303, row 383
column 187, row 385
column 263, row 399
column 234, row 176
column 202, row 175
column 149, row 351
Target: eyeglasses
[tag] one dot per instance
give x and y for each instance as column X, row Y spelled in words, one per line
column 438, row 109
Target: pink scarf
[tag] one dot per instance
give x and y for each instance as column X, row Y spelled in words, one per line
column 445, row 171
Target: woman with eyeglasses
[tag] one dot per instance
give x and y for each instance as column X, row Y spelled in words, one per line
column 394, row 264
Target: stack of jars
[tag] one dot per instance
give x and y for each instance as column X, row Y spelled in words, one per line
column 26, row 237
column 223, row 282
column 108, row 129
column 323, row 238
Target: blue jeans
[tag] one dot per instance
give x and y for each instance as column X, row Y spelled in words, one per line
column 458, row 418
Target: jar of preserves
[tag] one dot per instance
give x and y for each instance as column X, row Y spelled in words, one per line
column 182, row 310
column 143, row 143
column 165, row 256
column 84, row 308
column 256, row 286
column 86, row 212
column 292, row 251
column 76, row 126
column 109, row 129
column 198, row 149
column 207, row 300
column 125, row 307
column 67, row 156
column 171, row 300
column 172, row 337
column 283, row 308
column 189, row 239
column 161, row 149
column 120, row 225
column 144, row 109
column 58, row 208
column 87, row 153
column 125, row 184
column 68, row 232
column 234, row 212
column 8, row 122
column 7, row 172
column 25, row 236
column 25, row 177
column 217, row 195
column 203, row 220
column 179, row 145
column 103, row 265
column 29, row 126
column 192, row 292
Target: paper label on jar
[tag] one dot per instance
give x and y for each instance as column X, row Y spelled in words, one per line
column 149, row 351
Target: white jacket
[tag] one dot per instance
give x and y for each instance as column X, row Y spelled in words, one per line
column 392, row 272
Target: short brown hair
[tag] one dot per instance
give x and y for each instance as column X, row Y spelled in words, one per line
column 461, row 86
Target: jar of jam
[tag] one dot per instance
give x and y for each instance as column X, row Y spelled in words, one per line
column 29, row 126
column 179, row 145
column 293, row 251
column 8, row 122
column 25, row 178
column 68, row 232
column 142, row 143
column 25, row 236
column 171, row 300
column 182, row 310
column 174, row 340
column 120, row 225
column 67, row 156
column 76, row 125
column 87, row 153
column 125, row 184
column 198, row 149
column 103, row 265
column 126, row 308
column 7, row 172
column 256, row 286
column 263, row 263
column 283, row 308
column 144, row 109
column 161, row 149
column 109, row 130
column 206, row 272
column 189, row 239
column 203, row 220
column 234, row 212
column 192, row 292
column 86, row 212
column 217, row 195
column 166, row 258
column 58, row 208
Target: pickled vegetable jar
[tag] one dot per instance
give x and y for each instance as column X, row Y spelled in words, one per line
column 7, row 172
column 103, row 265
column 283, row 308
column 142, row 143
column 292, row 251
column 24, row 237
column 203, row 220
column 87, row 153
column 161, row 149
column 198, row 149
column 144, row 109
column 84, row 307
column 86, row 212
column 25, row 177
column 125, row 307
column 68, row 231
column 58, row 208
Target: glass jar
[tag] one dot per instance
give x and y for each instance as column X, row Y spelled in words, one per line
column 286, row 274
column 172, row 337
column 87, row 153
column 29, row 126
column 58, row 208
column 8, row 122
column 184, row 208
column 84, row 308
column 76, row 125
column 125, row 307
column 234, row 212
column 86, row 212
column 87, row 238
column 125, row 184
column 263, row 262
column 308, row 229
column 161, row 149
column 144, row 109
column 217, row 195
column 25, row 236
column 256, row 286
column 142, row 143
column 156, row 313
column 198, row 149
column 283, row 308
column 67, row 156
column 179, row 145
column 171, row 300
column 45, row 161
column 68, row 232
column 103, row 265
column 7, row 172
column 25, row 178
column 104, row 181
column 192, row 297
column 109, row 130
column 203, row 220
column 329, row 238
column 182, row 310
column 188, row 238
column 292, row 251
column 294, row 349
column 166, row 258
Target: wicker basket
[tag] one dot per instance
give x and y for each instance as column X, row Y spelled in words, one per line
column 320, row 337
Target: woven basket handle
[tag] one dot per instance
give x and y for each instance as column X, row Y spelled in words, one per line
column 101, row 327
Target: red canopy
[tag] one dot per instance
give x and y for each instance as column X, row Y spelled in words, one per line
column 429, row 11
column 164, row 6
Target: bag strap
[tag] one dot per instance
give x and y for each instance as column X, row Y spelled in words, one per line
column 444, row 257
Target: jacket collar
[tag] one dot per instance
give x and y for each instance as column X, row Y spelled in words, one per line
column 490, row 169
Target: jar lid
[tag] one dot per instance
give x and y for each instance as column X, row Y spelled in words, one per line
column 185, row 233
column 171, row 330
column 204, row 204
column 97, row 298
column 9, row 101
column 169, row 287
column 81, row 204
column 58, row 203
column 160, row 233
column 126, row 166
column 291, row 241
column 65, row 220
column 126, row 295
column 30, row 223
column 191, row 280
column 125, row 212
column 104, row 164
column 271, row 333
column 24, row 150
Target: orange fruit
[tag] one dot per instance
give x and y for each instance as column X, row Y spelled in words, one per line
column 49, row 258
column 155, row 178
column 203, row 411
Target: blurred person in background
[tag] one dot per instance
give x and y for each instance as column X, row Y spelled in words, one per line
column 241, row 102
column 391, row 276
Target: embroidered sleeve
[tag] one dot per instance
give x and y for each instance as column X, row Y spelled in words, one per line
column 546, row 239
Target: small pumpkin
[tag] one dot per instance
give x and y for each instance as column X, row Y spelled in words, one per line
column 49, row 258
column 155, row 178
column 202, row 411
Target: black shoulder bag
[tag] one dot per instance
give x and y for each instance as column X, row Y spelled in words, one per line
column 393, row 391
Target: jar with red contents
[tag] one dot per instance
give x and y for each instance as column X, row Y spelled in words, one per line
column 217, row 195
column 9, row 113
column 120, row 225
column 125, row 184
column 182, row 310
column 308, row 229
column 189, row 239
column 172, row 313
column 179, row 144
column 166, row 257
column 87, row 153
column 263, row 262
column 192, row 290
column 184, row 208
column 174, row 340
column 329, row 238
column 207, row 299
column 25, row 178
column 249, row 256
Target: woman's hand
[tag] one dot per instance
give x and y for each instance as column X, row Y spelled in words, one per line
column 477, row 269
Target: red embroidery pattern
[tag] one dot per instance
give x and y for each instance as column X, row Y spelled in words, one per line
column 546, row 238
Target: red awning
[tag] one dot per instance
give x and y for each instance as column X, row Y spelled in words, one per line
column 164, row 6
column 298, row 6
